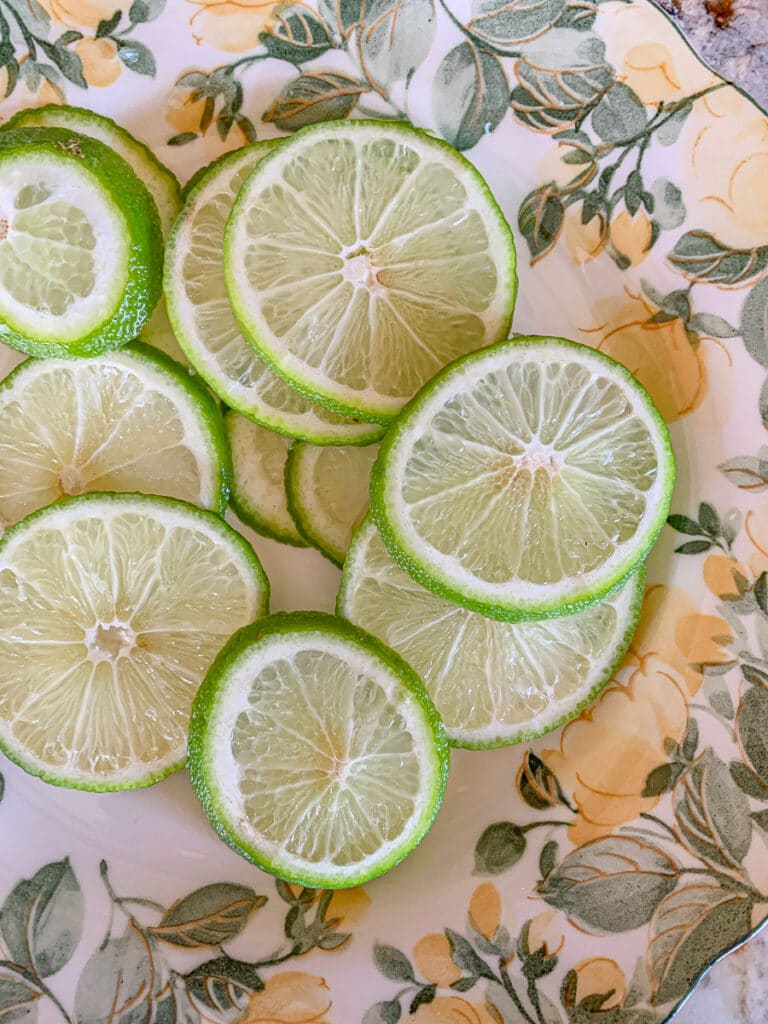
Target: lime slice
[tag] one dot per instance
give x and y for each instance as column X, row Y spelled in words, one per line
column 316, row 752
column 125, row 421
column 526, row 480
column 161, row 183
column 112, row 608
column 328, row 493
column 80, row 245
column 159, row 333
column 258, row 494
column 203, row 321
column 362, row 256
column 494, row 683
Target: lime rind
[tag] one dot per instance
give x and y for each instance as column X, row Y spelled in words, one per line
column 186, row 513
column 135, row 218
column 503, row 602
column 363, row 404
column 208, row 738
column 354, row 604
column 249, row 387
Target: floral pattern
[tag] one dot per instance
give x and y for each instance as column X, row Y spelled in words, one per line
column 594, row 875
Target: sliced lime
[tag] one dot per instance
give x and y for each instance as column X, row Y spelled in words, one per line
column 316, row 752
column 494, row 683
column 361, row 256
column 112, row 608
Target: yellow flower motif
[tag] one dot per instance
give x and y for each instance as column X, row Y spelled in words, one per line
column 584, row 241
column 231, row 25
column 598, row 976
column 607, row 753
column 101, row 65
column 432, row 957
column 289, row 998
column 664, row 69
column 80, row 13
column 546, row 932
column 485, row 910
column 453, row 1010
column 631, row 236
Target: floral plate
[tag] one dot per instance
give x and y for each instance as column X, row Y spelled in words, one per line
column 593, row 876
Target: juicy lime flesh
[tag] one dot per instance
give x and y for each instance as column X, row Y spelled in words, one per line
column 62, row 247
column 537, row 473
column 486, row 678
column 201, row 275
column 108, row 627
column 327, row 767
column 96, row 425
column 370, row 264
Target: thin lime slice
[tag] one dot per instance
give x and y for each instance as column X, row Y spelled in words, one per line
column 160, row 182
column 80, row 245
column 526, row 480
column 158, row 332
column 494, row 683
column 258, row 494
column 125, row 421
column 112, row 608
column 362, row 256
column 316, row 752
column 328, row 493
column 203, row 321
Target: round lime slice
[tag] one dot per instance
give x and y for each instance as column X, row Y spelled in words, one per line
column 316, row 752
column 526, row 480
column 112, row 608
column 362, row 256
column 494, row 683
column 124, row 421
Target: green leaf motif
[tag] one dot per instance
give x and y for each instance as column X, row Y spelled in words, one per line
column 469, row 95
column 208, row 916
column 499, row 847
column 612, row 884
column 392, row 963
column 684, row 524
column 296, row 34
column 119, row 983
column 540, row 219
column 668, row 205
column 712, row 325
column 669, row 131
column 752, row 730
column 33, row 15
column 712, row 813
column 747, row 781
column 42, row 919
column 136, row 57
column 141, row 11
column 395, row 38
column 747, row 472
column 317, row 96
column 19, row 994
column 700, row 257
column 383, row 1013
column 465, row 957
column 754, row 322
column 504, row 24
column 619, row 116
column 223, row 984
column 547, row 858
column 346, row 15
column 689, row 930
column 661, row 779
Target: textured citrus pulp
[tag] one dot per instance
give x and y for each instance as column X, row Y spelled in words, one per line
column 80, row 244
column 112, row 608
column 258, row 496
column 202, row 317
column 526, row 480
column 123, row 421
column 328, row 493
column 361, row 256
column 494, row 683
column 315, row 750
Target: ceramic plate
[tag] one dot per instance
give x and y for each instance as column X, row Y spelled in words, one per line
column 596, row 874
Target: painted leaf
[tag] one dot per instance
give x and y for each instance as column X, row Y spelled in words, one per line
column 383, row 1013
column 504, row 24
column 560, row 77
column 469, row 95
column 392, row 963
column 752, row 730
column 700, row 257
column 318, row 96
column 395, row 38
column 668, row 205
column 712, row 325
column 346, row 15
column 42, row 919
column 540, row 219
column 747, row 472
column 145, row 10
column 33, row 15
column 19, row 994
column 619, row 116
column 754, row 322
column 209, row 916
column 223, row 983
column 689, row 930
column 118, row 983
column 295, row 33
column 499, row 847
column 137, row 57
column 611, row 884
column 712, row 813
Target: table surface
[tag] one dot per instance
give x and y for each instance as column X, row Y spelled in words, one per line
column 732, row 36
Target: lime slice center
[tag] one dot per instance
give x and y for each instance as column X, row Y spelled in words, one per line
column 71, row 481
column 110, row 642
